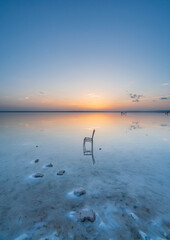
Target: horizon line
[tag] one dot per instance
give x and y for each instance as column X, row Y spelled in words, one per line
column 86, row 111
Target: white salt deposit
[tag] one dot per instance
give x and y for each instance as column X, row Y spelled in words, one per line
column 127, row 187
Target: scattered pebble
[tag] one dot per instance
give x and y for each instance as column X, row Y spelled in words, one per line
column 36, row 146
column 52, row 236
column 38, row 175
column 37, row 160
column 87, row 215
column 143, row 235
column 147, row 210
column 79, row 192
column 100, row 148
column 134, row 216
column 49, row 165
column 61, row 172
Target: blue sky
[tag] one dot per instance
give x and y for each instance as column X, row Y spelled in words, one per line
column 84, row 55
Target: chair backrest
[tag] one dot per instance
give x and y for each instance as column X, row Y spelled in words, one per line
column 93, row 133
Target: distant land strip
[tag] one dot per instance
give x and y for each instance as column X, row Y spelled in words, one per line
column 94, row 111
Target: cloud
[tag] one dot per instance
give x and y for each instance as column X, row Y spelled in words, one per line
column 42, row 92
column 166, row 84
column 165, row 139
column 135, row 97
column 158, row 98
column 136, row 100
column 164, row 98
column 93, row 95
column 22, row 99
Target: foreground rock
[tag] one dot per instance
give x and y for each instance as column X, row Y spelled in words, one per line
column 61, row 172
column 38, row 175
column 49, row 165
column 37, row 160
column 80, row 191
column 87, row 215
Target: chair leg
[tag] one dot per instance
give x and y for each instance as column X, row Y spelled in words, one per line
column 84, row 148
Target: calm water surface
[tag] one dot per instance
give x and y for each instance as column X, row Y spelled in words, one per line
column 127, row 182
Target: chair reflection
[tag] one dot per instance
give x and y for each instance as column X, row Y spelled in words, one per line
column 86, row 151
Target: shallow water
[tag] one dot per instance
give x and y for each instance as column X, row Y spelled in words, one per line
column 126, row 182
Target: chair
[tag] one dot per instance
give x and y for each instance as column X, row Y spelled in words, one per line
column 89, row 152
column 89, row 139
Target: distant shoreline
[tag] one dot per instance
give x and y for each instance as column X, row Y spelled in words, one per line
column 155, row 111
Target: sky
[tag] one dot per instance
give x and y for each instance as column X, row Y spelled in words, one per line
column 84, row 55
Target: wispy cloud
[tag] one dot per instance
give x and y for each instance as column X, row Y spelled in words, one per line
column 93, row 95
column 41, row 92
column 157, row 98
column 165, row 84
column 135, row 97
column 164, row 98
column 24, row 98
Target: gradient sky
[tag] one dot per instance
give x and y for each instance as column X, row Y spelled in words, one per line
column 84, row 55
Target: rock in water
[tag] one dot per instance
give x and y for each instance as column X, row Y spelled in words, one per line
column 87, row 215
column 38, row 175
column 49, row 165
column 56, row 234
column 79, row 192
column 36, row 161
column 61, row 172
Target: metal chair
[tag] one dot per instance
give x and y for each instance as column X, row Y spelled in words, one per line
column 89, row 152
column 89, row 139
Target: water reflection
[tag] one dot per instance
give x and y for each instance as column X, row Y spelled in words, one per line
column 87, row 151
column 164, row 125
column 129, row 185
column 123, row 113
column 135, row 125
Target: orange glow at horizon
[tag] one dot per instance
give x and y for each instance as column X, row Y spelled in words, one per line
column 83, row 103
column 86, row 102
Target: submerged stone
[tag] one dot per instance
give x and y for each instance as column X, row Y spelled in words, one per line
column 87, row 215
column 37, row 160
column 38, row 175
column 49, row 165
column 79, row 192
column 56, row 234
column 61, row 172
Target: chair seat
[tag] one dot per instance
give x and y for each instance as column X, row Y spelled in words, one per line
column 87, row 139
